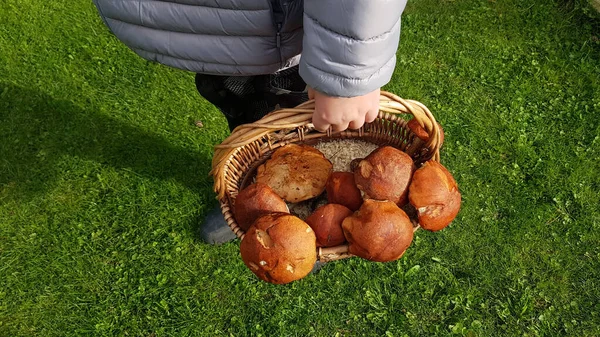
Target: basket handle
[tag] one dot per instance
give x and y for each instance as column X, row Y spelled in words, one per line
column 300, row 117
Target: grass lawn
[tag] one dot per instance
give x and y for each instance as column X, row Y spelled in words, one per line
column 104, row 181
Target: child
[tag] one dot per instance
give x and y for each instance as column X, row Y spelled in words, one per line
column 252, row 56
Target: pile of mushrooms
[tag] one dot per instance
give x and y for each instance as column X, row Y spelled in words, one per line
column 368, row 208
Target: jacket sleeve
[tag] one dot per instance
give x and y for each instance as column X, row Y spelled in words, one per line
column 349, row 47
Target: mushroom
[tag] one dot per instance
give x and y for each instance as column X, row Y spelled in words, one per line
column 434, row 193
column 341, row 189
column 420, row 132
column 255, row 201
column 326, row 222
column 296, row 172
column 385, row 175
column 380, row 231
column 279, row 248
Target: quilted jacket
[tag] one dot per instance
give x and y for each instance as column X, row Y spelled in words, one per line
column 343, row 47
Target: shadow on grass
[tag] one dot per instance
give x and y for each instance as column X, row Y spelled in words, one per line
column 37, row 132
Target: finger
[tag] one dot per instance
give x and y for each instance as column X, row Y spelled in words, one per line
column 319, row 123
column 322, row 127
column 340, row 127
column 372, row 115
column 356, row 124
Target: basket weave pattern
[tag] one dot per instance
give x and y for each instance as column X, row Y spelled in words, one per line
column 237, row 157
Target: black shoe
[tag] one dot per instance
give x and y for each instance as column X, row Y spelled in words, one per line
column 318, row 265
column 215, row 230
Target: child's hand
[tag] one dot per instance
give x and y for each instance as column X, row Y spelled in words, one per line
column 343, row 113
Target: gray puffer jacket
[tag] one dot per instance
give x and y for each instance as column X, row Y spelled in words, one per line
column 347, row 47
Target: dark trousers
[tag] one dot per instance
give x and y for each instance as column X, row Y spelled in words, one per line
column 246, row 99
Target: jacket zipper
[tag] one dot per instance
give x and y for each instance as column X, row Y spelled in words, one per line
column 278, row 18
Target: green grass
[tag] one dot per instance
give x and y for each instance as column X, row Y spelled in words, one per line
column 104, row 181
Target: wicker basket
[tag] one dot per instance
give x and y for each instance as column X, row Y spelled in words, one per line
column 249, row 145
